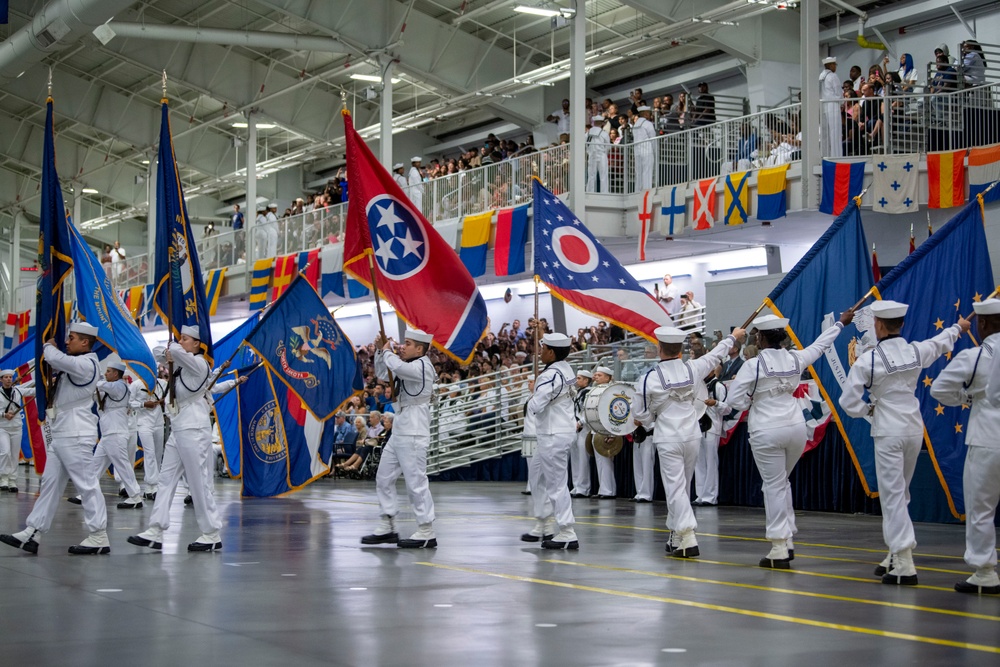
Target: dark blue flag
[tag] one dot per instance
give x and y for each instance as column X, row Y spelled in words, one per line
column 830, row 278
column 226, row 407
column 55, row 263
column 301, row 343
column 180, row 289
column 940, row 281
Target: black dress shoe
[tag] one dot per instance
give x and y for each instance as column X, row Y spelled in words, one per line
column 552, row 544
column 702, row 503
column 205, row 546
column 11, row 489
column 130, row 506
column 122, row 493
column 775, row 563
column 417, row 544
column 966, row 587
column 149, row 496
column 791, row 554
column 528, row 537
column 897, row 580
column 605, row 497
column 690, row 552
column 384, row 538
column 143, row 542
column 643, row 500
column 668, row 547
column 74, row 500
column 188, row 500
column 4, row 488
column 526, row 493
column 880, row 570
column 579, row 495
column 31, row 546
column 77, row 550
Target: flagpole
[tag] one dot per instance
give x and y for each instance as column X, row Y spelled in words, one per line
column 246, row 375
column 534, row 352
column 171, row 379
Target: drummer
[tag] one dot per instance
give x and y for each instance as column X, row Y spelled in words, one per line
column 607, row 488
column 579, row 457
column 666, row 396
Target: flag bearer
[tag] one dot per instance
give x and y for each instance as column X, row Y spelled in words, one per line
column 973, row 377
column 112, row 411
column 406, row 453
column 890, row 373
column 148, row 406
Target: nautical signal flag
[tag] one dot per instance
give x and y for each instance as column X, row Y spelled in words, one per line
column 309, row 266
column 645, row 225
column 356, row 290
column 772, row 198
column 418, row 272
column 842, row 181
column 704, row 203
column 984, row 170
column 284, row 271
column 512, row 237
column 213, row 288
column 10, row 333
column 332, row 264
column 736, row 197
column 475, row 242
column 673, row 208
column 946, row 179
column 894, row 183
column 258, row 283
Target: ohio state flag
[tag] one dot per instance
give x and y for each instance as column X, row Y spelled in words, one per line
column 417, row 271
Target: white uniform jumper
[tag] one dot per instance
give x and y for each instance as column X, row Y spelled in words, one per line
column 187, row 450
column 11, row 431
column 149, row 423
column 706, row 470
column 597, row 159
column 74, row 432
column 643, row 132
column 607, row 484
column 890, row 373
column 579, row 459
column 668, row 393
column 406, row 452
column 555, row 426
column 964, row 381
column 415, row 191
column 112, row 412
column 776, row 425
column 541, row 505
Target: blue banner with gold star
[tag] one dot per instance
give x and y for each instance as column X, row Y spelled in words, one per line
column 940, row 280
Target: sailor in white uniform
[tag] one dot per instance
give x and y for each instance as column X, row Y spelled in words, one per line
column 112, row 412
column 890, row 373
column 579, row 459
column 73, row 426
column 415, row 181
column 541, row 505
column 666, row 398
column 973, row 378
column 706, row 470
column 147, row 404
column 399, row 176
column 187, row 448
column 272, row 230
column 776, row 426
column 12, row 400
column 555, row 425
column 645, row 150
column 406, row 452
column 607, row 486
column 598, row 142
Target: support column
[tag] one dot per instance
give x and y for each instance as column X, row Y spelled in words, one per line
column 777, row 45
column 151, row 218
column 385, row 114
column 773, row 259
column 15, row 260
column 250, row 217
column 809, row 56
column 577, row 116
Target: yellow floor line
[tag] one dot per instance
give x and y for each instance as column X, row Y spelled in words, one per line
column 787, row 591
column 726, row 609
column 922, row 568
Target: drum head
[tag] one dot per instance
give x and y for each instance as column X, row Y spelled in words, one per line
column 608, row 409
column 701, row 394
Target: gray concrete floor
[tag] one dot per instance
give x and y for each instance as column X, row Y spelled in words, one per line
column 293, row 586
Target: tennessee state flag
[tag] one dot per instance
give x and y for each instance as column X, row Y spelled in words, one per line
column 945, row 179
column 284, row 271
column 417, row 272
column 842, row 181
column 512, row 237
column 475, row 242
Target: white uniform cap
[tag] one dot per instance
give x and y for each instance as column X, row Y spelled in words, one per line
column 273, row 204
column 416, row 158
column 986, row 307
column 7, row 371
column 770, row 322
column 597, row 119
column 889, row 310
column 556, row 340
column 158, row 352
column 398, row 165
column 827, row 61
column 670, row 335
column 83, row 328
column 604, row 369
column 520, row 355
column 418, row 336
column 188, row 330
column 643, row 108
column 117, row 365
column 584, row 374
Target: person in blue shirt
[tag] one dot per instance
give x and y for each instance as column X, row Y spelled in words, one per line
column 343, row 433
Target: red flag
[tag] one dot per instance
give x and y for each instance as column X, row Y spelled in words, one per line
column 284, row 271
column 876, row 271
column 645, row 222
column 35, row 439
column 417, row 271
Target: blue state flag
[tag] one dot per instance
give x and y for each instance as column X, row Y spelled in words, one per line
column 940, row 281
column 830, row 278
column 55, row 264
column 226, row 407
column 179, row 295
column 301, row 343
column 100, row 306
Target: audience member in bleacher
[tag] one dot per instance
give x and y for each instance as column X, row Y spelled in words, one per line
column 830, row 97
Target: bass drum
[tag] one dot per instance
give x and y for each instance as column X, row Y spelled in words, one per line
column 608, row 409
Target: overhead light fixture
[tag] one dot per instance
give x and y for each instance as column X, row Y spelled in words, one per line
column 145, row 161
column 260, row 126
column 548, row 12
column 698, row 19
column 374, row 78
column 89, row 191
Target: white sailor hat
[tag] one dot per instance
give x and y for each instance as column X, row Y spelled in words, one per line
column 584, row 374
column 985, row 307
column 398, row 165
column 188, row 330
column 643, row 108
column 116, row 364
column 520, row 354
column 770, row 322
column 158, row 352
column 670, row 334
column 829, row 60
column 419, row 336
column 597, row 119
column 83, row 328
column 416, row 158
column 7, row 371
column 273, row 204
column 555, row 340
column 604, row 369
column 889, row 310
